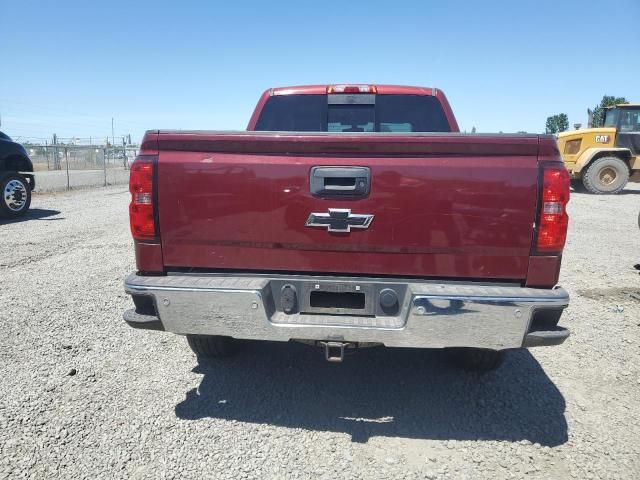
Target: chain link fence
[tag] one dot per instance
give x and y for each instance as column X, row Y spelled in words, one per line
column 66, row 166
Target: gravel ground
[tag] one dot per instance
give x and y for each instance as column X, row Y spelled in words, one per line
column 84, row 396
column 56, row 180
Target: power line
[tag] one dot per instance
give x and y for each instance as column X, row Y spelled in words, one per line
column 58, row 110
column 50, row 108
column 53, row 120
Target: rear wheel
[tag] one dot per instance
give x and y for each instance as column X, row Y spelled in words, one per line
column 212, row 346
column 480, row 360
column 606, row 175
column 16, row 195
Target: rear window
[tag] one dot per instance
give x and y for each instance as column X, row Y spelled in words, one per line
column 353, row 113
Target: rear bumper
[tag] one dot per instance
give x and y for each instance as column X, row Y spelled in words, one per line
column 428, row 314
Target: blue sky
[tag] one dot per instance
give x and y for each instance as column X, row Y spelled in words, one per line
column 69, row 66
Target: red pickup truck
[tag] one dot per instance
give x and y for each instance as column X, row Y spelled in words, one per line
column 349, row 216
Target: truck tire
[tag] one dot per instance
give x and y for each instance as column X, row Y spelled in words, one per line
column 212, row 346
column 606, row 175
column 479, row 360
column 16, row 195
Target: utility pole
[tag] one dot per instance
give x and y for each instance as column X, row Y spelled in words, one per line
column 113, row 137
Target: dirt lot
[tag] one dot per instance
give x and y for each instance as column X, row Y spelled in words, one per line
column 84, row 396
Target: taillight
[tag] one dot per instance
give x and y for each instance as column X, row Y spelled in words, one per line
column 352, row 89
column 142, row 207
column 552, row 227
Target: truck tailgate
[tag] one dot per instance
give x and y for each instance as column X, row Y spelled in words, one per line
column 443, row 205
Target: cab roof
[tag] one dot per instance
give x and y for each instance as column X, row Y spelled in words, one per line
column 382, row 89
column 624, row 105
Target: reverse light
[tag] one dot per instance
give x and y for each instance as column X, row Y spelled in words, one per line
column 142, row 208
column 554, row 220
column 352, row 89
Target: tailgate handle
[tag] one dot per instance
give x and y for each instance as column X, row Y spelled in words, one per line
column 340, row 183
column 353, row 182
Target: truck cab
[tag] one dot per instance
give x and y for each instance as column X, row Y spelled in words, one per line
column 603, row 160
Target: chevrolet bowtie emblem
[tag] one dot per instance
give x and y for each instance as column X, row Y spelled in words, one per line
column 339, row 220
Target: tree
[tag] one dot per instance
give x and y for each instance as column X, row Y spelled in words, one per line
column 598, row 112
column 557, row 123
column 473, row 130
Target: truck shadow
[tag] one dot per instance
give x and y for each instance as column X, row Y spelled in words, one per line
column 380, row 392
column 34, row 214
column 626, row 191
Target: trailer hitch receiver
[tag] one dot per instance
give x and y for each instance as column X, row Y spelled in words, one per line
column 334, row 351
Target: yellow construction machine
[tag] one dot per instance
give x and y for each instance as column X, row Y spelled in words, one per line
column 603, row 160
